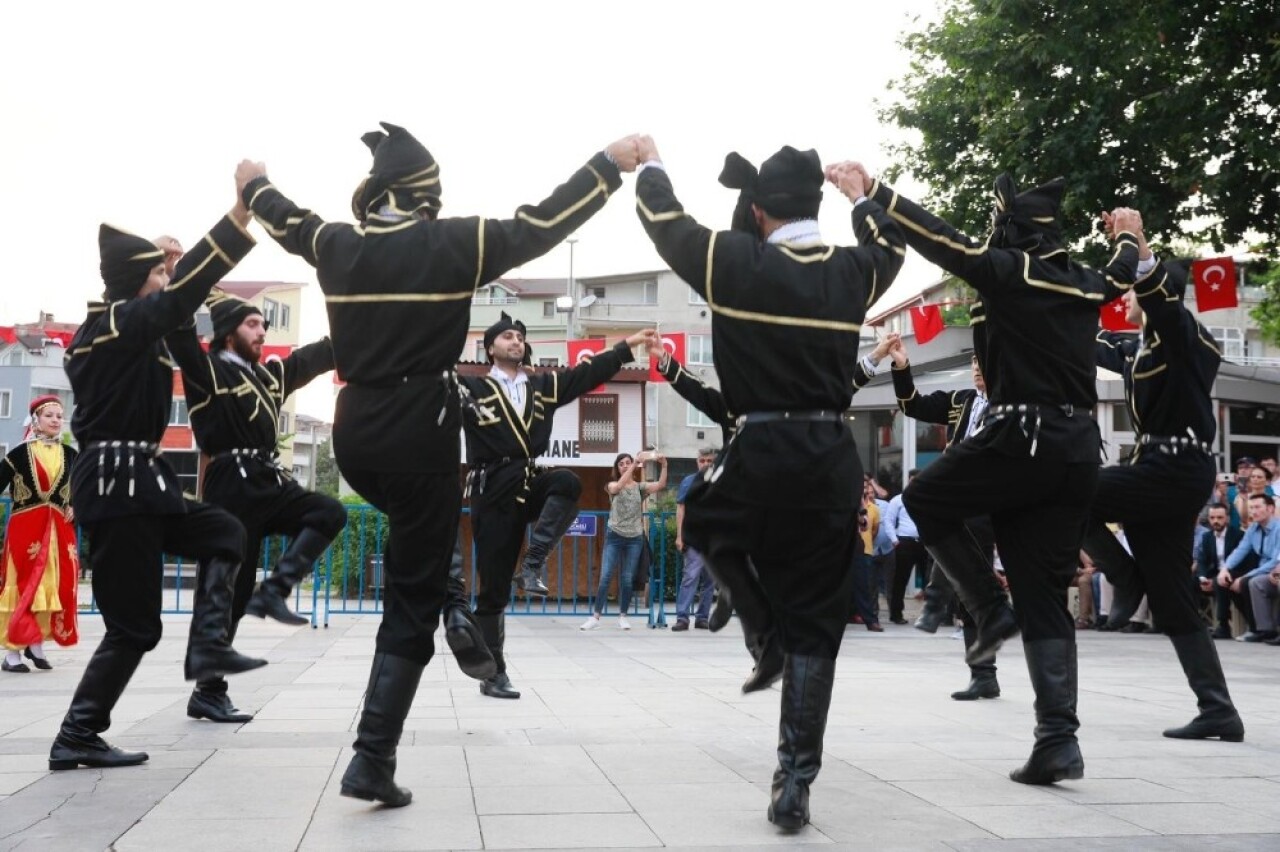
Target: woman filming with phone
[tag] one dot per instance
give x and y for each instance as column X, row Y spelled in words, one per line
column 625, row 537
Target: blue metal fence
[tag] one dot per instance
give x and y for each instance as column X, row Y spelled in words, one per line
column 347, row 580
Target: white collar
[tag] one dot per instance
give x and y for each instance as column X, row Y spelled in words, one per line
column 233, row 358
column 496, row 372
column 799, row 232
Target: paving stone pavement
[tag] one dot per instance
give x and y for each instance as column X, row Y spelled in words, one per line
column 640, row 740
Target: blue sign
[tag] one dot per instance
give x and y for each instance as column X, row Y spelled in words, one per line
column 583, row 525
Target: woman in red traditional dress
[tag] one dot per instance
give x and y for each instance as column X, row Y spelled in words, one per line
column 39, row 566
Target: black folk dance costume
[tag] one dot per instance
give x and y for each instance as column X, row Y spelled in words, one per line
column 786, row 316
column 234, row 406
column 1040, row 313
column 739, row 584
column 126, row 497
column 1168, row 372
column 398, row 291
column 961, row 411
column 508, row 490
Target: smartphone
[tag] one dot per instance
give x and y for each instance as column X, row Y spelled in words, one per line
column 1228, row 478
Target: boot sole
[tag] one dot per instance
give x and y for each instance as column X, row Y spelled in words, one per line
column 60, row 765
column 219, row 671
column 291, row 620
column 467, row 653
column 364, row 796
column 230, row 720
column 787, row 823
column 1071, row 773
column 1226, row 738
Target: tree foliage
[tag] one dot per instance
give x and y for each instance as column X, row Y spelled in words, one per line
column 1169, row 106
column 326, row 472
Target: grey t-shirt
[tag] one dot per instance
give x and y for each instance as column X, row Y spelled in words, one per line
column 626, row 515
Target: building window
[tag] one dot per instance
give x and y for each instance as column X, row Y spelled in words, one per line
column 598, row 423
column 6, row 403
column 548, row 362
column 1230, row 340
column 695, row 298
column 548, row 309
column 284, row 423
column 492, row 294
column 1120, row 419
column 270, row 311
column 178, row 412
column 187, row 466
column 284, row 316
column 480, row 356
column 700, row 349
column 650, row 296
column 694, row 417
column 598, row 292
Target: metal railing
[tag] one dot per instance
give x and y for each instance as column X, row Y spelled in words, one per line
column 347, row 579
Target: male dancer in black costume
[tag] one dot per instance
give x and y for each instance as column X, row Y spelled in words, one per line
column 410, row 275
column 234, row 404
column 507, row 417
column 1168, row 370
column 126, row 497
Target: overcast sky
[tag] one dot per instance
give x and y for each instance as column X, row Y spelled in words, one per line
column 136, row 113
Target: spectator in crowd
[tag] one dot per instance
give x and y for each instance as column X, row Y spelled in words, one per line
column 1257, row 482
column 1263, row 539
column 863, row 594
column 695, row 584
column 1084, row 587
column 1215, row 546
column 908, row 553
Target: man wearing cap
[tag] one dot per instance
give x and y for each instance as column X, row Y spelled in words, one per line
column 787, row 310
column 1040, row 312
column 398, row 286
column 507, row 416
column 126, row 497
column 234, row 404
column 1169, row 370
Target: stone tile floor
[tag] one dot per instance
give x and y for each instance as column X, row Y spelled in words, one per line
column 642, row 740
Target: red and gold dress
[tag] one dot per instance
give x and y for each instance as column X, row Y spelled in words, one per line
column 40, row 565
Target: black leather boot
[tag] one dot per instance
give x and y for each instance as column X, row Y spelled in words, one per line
column 1121, row 572
column 975, row 584
column 1218, row 717
column 557, row 515
column 393, row 681
column 209, row 652
column 937, row 602
column 1056, row 754
column 730, row 574
column 982, row 677
column 766, row 649
column 494, row 628
column 460, row 628
column 104, row 679
column 721, row 611
column 806, row 697
column 271, row 599
column 209, row 700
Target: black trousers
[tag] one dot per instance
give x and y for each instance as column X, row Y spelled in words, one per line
column 127, row 565
column 422, row 512
column 1157, row 500
column 498, row 523
column 282, row 509
column 908, row 556
column 1038, row 508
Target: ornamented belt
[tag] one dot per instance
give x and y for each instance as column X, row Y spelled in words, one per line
column 1173, row 444
column 781, row 416
column 241, row 453
column 117, row 449
column 1030, row 416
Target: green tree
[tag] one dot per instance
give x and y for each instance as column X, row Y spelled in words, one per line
column 1267, row 313
column 1169, row 106
column 326, row 473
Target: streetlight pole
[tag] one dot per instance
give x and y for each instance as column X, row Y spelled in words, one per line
column 573, row 298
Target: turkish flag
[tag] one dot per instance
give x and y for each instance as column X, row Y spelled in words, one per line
column 673, row 343
column 1215, row 280
column 926, row 322
column 1115, row 316
column 7, row 334
column 580, row 349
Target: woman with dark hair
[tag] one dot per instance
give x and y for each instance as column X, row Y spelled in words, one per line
column 624, row 539
column 39, row 568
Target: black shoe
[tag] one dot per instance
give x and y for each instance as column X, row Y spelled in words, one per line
column 721, row 612
column 999, row 626
column 216, row 707
column 90, row 750
column 701, row 624
column 1056, row 754
column 1258, row 636
column 39, row 662
column 498, row 686
column 531, row 584
column 209, row 651
column 1217, row 717
column 681, row 624
column 1134, row 627
column 1275, row 641
column 393, row 682
column 16, row 667
column 267, row 604
column 979, row 687
column 806, row 698
column 467, row 643
column 897, row 620
column 1221, row 632
column 768, row 667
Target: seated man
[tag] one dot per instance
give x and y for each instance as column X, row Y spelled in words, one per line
column 1214, row 547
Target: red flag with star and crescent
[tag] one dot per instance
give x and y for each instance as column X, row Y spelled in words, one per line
column 673, row 343
column 926, row 322
column 1215, row 281
column 1115, row 316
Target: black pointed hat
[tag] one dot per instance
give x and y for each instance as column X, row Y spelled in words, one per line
column 404, row 178
column 790, row 184
column 1027, row 220
column 506, row 323
column 125, row 261
column 741, row 174
column 227, row 312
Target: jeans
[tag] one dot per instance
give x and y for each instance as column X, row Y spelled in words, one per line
column 619, row 551
column 695, row 587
